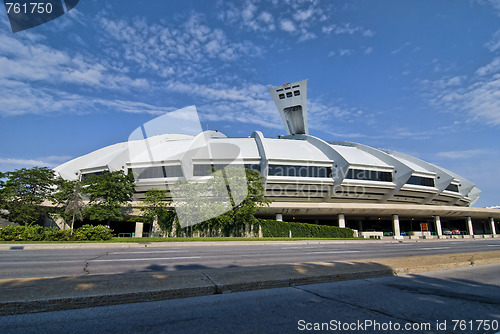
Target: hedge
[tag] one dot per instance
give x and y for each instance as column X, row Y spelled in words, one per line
column 38, row 233
column 274, row 228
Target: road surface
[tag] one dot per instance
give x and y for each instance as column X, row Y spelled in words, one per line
column 25, row 263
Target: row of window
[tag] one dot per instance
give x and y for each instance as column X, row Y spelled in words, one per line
column 207, row 169
column 368, row 175
column 299, row 171
column 421, row 181
column 452, row 187
column 287, row 88
column 157, row 172
column 289, row 94
column 279, row 170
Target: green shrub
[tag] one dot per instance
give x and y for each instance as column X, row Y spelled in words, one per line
column 90, row 232
column 32, row 233
column 55, row 234
column 11, row 233
column 277, row 229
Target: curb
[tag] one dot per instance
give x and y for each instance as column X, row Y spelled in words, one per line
column 36, row 246
column 20, row 296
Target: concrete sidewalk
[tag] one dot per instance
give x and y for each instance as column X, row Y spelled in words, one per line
column 19, row 296
column 86, row 245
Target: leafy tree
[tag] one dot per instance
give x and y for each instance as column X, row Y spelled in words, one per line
column 69, row 196
column 208, row 202
column 23, row 191
column 108, row 194
column 156, row 208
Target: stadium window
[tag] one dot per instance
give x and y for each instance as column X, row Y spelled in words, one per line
column 255, row 167
column 289, row 94
column 282, row 96
column 279, row 90
column 299, row 171
column 421, row 181
column 296, row 93
column 368, row 175
column 157, row 172
column 295, row 86
column 288, row 88
column 452, row 187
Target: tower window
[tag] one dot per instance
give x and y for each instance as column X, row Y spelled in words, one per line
column 289, row 94
column 282, row 96
column 296, row 93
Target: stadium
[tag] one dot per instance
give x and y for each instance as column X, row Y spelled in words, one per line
column 375, row 191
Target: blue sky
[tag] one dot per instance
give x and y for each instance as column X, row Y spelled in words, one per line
column 420, row 77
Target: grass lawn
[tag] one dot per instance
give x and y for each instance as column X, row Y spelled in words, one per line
column 158, row 239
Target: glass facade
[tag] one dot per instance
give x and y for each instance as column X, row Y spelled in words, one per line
column 452, row 187
column 157, row 172
column 206, row 169
column 299, row 171
column 368, row 175
column 421, row 181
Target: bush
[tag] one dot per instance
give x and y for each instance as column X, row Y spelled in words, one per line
column 55, row 234
column 32, row 233
column 276, row 229
column 11, row 233
column 90, row 232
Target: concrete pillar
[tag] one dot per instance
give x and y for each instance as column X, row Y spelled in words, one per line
column 492, row 226
column 341, row 220
column 395, row 226
column 360, row 225
column 437, row 223
column 279, row 217
column 139, row 228
column 470, row 230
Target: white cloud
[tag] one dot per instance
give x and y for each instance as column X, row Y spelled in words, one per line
column 477, row 96
column 25, row 163
column 346, row 29
column 303, row 15
column 287, row 25
column 463, row 154
column 492, row 67
column 368, row 50
column 494, row 43
column 345, row 52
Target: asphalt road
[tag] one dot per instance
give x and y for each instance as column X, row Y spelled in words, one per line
column 26, row 263
column 454, row 301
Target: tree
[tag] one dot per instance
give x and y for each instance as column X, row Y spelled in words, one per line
column 218, row 203
column 70, row 196
column 156, row 208
column 108, row 194
column 23, row 191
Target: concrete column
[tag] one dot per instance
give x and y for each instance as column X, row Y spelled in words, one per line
column 360, row 225
column 279, row 217
column 437, row 222
column 139, row 228
column 341, row 220
column 492, row 226
column 395, row 226
column 470, row 230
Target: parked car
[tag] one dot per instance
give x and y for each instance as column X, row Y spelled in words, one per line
column 455, row 231
column 446, row 231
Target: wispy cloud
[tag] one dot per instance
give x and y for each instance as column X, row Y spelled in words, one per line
column 51, row 161
column 463, row 154
column 476, row 95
